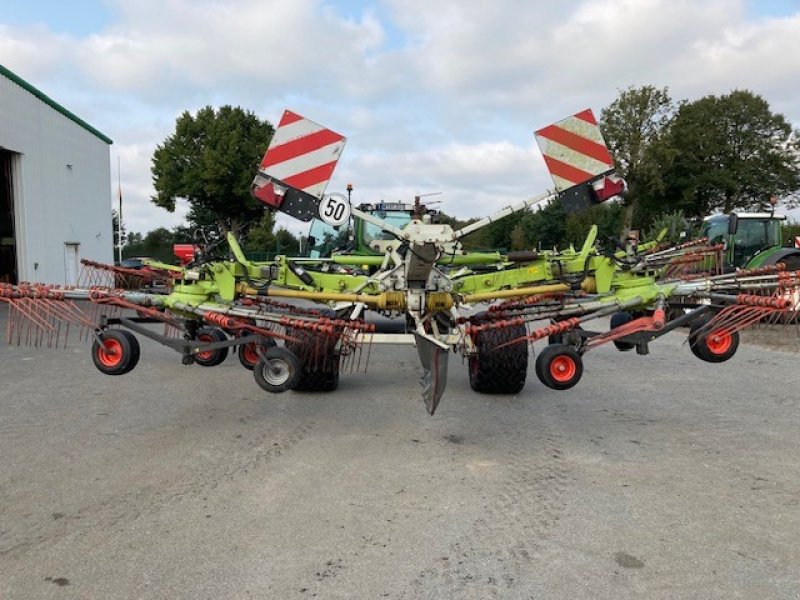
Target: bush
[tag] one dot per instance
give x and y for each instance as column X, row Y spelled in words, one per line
column 789, row 231
column 609, row 220
column 674, row 222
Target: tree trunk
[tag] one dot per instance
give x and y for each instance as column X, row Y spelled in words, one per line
column 627, row 221
column 630, row 208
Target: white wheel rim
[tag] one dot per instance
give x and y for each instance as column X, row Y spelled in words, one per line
column 276, row 371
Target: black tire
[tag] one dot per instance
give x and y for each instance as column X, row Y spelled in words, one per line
column 496, row 370
column 319, row 363
column 714, row 346
column 119, row 353
column 324, row 379
column 792, row 262
column 559, row 366
column 211, row 358
column 617, row 319
column 248, row 352
column 277, row 371
column 135, row 350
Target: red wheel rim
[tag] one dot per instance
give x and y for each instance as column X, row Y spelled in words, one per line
column 563, row 368
column 110, row 353
column 205, row 354
column 719, row 342
column 250, row 353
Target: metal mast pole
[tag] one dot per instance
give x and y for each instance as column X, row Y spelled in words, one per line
column 119, row 216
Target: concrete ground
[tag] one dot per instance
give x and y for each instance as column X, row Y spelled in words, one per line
column 656, row 477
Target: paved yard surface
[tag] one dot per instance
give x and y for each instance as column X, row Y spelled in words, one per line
column 656, row 477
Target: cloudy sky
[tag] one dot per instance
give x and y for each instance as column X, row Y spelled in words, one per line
column 433, row 95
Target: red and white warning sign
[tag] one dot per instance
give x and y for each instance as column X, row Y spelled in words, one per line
column 574, row 150
column 302, row 154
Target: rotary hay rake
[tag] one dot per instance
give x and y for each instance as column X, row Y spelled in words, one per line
column 213, row 306
column 95, row 274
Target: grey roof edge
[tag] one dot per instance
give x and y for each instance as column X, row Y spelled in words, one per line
column 53, row 104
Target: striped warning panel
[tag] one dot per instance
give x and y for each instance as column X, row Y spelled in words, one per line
column 302, row 154
column 574, row 150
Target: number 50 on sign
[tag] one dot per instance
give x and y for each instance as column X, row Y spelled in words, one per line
column 334, row 210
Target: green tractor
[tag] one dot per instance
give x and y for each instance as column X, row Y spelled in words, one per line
column 751, row 240
column 357, row 236
column 361, row 238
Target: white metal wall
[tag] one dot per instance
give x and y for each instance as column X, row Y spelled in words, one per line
column 62, row 186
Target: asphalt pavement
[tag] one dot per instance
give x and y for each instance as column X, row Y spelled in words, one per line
column 655, row 477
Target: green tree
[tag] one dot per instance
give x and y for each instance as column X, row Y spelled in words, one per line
column 675, row 224
column 609, row 220
column 134, row 237
column 789, row 232
column 263, row 238
column 541, row 229
column 260, row 237
column 156, row 244
column 545, row 228
column 518, row 238
column 476, row 241
column 210, row 160
column 731, row 152
column 635, row 127
column 286, row 242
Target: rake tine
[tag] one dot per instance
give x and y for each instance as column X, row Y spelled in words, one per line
column 22, row 322
column 344, row 361
column 17, row 322
column 369, row 351
column 31, row 312
column 359, row 350
column 8, row 324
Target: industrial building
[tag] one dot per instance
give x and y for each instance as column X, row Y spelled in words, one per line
column 55, row 188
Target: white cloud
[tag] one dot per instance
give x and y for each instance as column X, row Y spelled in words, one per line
column 193, row 46
column 34, row 50
column 473, row 179
column 138, row 213
column 432, row 96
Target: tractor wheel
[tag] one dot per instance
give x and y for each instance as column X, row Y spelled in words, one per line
column 323, row 379
column 496, row 370
column 617, row 319
column 792, row 262
column 118, row 354
column 713, row 346
column 211, row 358
column 277, row 371
column 248, row 352
column 559, row 366
column 319, row 363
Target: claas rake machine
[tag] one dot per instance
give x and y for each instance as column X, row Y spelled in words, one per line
column 298, row 322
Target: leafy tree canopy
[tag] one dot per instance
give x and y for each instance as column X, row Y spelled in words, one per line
column 634, row 126
column 156, row 244
column 730, row 152
column 210, row 160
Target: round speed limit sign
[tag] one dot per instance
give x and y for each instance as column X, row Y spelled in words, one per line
column 334, row 209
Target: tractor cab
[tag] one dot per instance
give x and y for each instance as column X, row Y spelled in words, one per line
column 751, row 239
column 371, row 239
column 324, row 239
column 357, row 236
